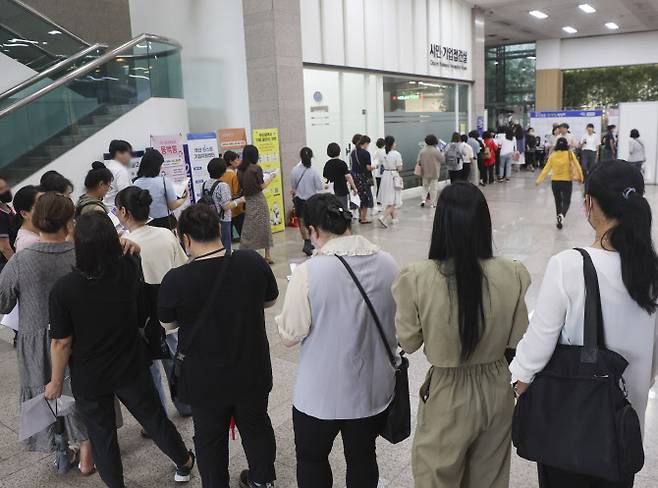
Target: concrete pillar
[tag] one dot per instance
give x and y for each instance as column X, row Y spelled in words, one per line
column 275, row 72
column 477, row 58
column 548, row 89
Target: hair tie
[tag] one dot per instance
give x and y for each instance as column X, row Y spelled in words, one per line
column 628, row 191
column 339, row 212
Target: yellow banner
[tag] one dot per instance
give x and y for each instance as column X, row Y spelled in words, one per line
column 267, row 142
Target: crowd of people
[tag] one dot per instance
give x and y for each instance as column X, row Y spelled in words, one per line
column 177, row 297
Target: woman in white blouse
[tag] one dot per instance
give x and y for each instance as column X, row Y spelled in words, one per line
column 636, row 152
column 627, row 268
column 390, row 193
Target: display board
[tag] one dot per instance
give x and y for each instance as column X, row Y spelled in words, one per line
column 642, row 116
column 201, row 148
column 232, row 140
column 267, row 142
column 174, row 166
column 543, row 122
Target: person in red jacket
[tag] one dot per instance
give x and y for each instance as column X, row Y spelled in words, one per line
column 489, row 157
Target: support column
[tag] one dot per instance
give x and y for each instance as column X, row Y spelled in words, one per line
column 477, row 60
column 275, row 74
column 548, row 90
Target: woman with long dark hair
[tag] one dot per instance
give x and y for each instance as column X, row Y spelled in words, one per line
column 391, row 188
column 627, row 267
column 361, row 163
column 305, row 181
column 257, row 231
column 467, row 307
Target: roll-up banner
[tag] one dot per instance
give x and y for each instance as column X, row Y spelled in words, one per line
column 201, row 148
column 267, row 142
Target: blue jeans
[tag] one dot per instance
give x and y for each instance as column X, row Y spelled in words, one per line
column 168, row 365
column 227, row 235
column 505, row 170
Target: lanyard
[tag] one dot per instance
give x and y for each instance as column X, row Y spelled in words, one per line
column 216, row 251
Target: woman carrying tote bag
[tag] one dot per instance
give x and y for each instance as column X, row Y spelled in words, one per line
column 625, row 261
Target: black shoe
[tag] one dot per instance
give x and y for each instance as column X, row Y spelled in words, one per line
column 183, row 474
column 245, row 482
column 560, row 218
column 308, row 248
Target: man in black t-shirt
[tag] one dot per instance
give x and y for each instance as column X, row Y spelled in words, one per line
column 217, row 303
column 337, row 172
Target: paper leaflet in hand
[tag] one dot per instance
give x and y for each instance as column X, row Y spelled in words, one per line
column 181, row 186
column 36, row 414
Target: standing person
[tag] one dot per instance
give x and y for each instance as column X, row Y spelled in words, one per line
column 24, row 200
column 162, row 191
column 222, row 198
column 476, row 145
column 305, row 181
column 530, row 149
column 97, row 184
column 507, row 149
column 563, row 131
column 355, row 401
column 636, row 152
column 519, row 136
column 160, row 252
column 454, row 156
column 53, row 181
column 6, row 219
column 552, row 138
column 107, row 358
column 626, row 263
column 565, row 169
column 469, row 157
column 609, row 152
column 489, row 157
column 28, row 279
column 257, row 231
column 467, row 308
column 362, row 175
column 377, row 162
column 121, row 153
column 391, row 194
column 233, row 162
column 430, row 160
column 337, row 173
column 589, row 150
column 217, row 303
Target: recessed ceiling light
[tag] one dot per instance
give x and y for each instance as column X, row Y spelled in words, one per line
column 587, row 8
column 611, row 25
column 569, row 30
column 54, row 32
column 531, row 57
column 538, row 14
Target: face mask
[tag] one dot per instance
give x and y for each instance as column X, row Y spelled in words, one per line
column 6, row 197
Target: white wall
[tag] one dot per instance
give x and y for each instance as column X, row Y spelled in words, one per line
column 13, row 72
column 600, row 51
column 213, row 56
column 386, row 35
column 157, row 116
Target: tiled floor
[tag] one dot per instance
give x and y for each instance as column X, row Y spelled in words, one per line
column 524, row 230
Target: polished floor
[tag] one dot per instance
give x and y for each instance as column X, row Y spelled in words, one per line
column 524, row 230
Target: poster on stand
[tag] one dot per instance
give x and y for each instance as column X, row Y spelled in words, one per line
column 232, row 140
column 543, row 122
column 174, row 166
column 201, row 148
column 267, row 142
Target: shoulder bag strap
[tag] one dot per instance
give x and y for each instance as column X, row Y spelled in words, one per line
column 301, row 178
column 594, row 338
column 378, row 323
column 164, row 185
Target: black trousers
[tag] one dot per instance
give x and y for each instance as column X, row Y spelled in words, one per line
column 466, row 172
column 556, row 478
column 142, row 401
column 531, row 159
column 562, row 193
column 314, row 439
column 211, row 430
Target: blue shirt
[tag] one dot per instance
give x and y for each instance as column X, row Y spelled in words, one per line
column 156, row 187
column 305, row 182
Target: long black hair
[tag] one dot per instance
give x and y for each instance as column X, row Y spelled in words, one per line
column 97, row 246
column 151, row 164
column 618, row 188
column 461, row 237
column 250, row 156
column 561, row 144
column 389, row 142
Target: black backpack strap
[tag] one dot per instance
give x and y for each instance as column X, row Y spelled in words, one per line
column 594, row 338
column 371, row 307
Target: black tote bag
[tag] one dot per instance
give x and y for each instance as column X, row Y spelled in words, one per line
column 398, row 419
column 575, row 415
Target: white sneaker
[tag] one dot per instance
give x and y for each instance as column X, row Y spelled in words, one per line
column 395, row 221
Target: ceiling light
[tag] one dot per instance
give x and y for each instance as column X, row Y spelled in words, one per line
column 569, row 30
column 538, row 14
column 54, row 32
column 531, row 57
column 611, row 25
column 587, row 8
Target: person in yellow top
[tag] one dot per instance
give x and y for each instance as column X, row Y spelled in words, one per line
column 233, row 160
column 566, row 168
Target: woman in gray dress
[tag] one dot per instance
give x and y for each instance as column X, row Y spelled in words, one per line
column 27, row 279
column 256, row 231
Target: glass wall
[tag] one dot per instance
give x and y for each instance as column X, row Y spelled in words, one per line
column 510, row 83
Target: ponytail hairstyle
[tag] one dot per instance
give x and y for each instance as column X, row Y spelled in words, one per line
column 355, row 139
column 136, row 201
column 324, row 211
column 24, row 201
column 98, row 174
column 389, row 142
column 364, row 140
column 461, row 237
column 618, row 188
column 306, row 155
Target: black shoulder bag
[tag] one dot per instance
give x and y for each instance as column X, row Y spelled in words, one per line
column 204, row 317
column 575, row 415
column 398, row 420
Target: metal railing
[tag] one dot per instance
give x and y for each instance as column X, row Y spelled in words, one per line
column 49, row 20
column 85, row 69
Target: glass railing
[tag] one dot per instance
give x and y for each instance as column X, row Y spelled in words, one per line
column 33, row 39
column 44, row 122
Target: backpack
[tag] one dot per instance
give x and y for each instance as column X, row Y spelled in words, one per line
column 487, row 152
column 207, row 198
column 453, row 156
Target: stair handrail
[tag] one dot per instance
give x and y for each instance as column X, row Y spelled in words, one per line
column 87, row 68
column 54, row 68
column 59, row 27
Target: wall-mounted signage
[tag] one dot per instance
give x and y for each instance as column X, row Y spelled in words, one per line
column 448, row 56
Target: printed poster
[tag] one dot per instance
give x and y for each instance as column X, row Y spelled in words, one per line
column 174, row 167
column 267, row 142
column 201, row 148
column 232, row 139
column 543, row 122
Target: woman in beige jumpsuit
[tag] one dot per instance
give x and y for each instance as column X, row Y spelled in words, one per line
column 467, row 308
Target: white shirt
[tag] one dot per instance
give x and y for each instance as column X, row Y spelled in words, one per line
column 467, row 151
column 160, row 252
column 121, row 180
column 591, row 142
column 636, row 153
column 377, row 160
column 507, row 146
column 629, row 330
